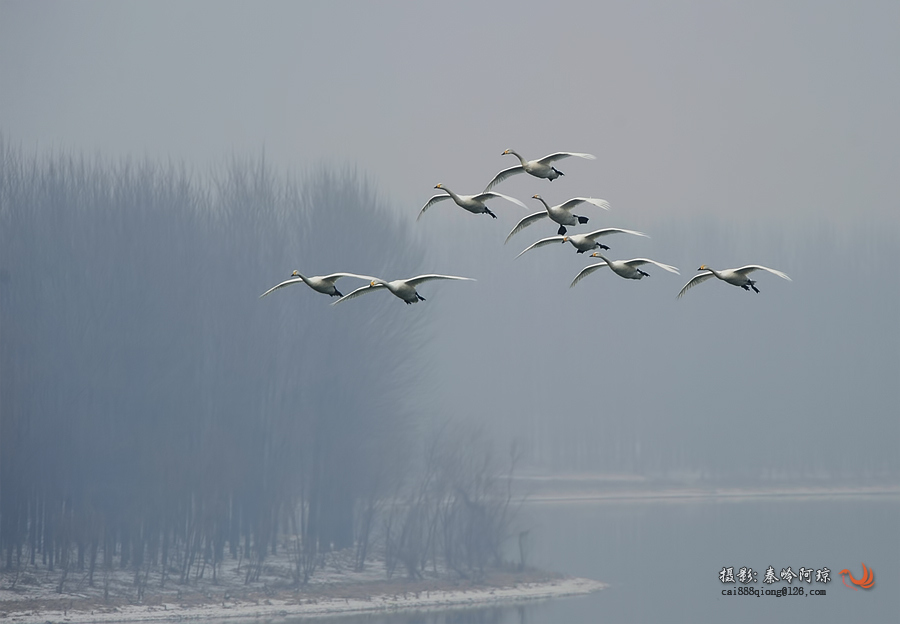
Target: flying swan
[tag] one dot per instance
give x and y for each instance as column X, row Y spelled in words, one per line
column 582, row 242
column 319, row 283
column 404, row 289
column 737, row 277
column 623, row 268
column 562, row 214
column 472, row 203
column 540, row 168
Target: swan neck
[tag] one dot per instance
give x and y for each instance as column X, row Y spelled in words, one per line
column 521, row 160
column 451, row 193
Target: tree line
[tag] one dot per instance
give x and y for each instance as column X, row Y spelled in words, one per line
column 154, row 413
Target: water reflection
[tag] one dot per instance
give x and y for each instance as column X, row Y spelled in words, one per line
column 662, row 561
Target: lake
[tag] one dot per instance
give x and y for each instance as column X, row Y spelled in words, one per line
column 662, row 560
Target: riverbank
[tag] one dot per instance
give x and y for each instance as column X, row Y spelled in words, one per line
column 31, row 597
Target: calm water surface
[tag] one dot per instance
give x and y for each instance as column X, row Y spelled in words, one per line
column 662, row 561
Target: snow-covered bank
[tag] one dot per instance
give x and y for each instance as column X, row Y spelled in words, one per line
column 35, row 595
column 298, row 606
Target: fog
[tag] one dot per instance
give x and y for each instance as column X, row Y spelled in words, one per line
column 166, row 163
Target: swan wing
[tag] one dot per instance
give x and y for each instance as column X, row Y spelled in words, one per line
column 600, row 203
column 359, row 291
column 549, row 158
column 636, row 262
column 586, row 271
column 294, row 280
column 336, row 276
column 431, row 202
column 503, row 175
column 483, row 197
column 756, row 267
column 697, row 279
column 607, row 231
column 524, row 223
column 418, row 279
column 542, row 243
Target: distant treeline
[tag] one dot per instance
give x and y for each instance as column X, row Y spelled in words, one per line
column 155, row 412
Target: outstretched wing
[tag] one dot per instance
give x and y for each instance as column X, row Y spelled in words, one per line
column 606, row 231
column 697, row 279
column 586, row 271
column 502, row 176
column 294, row 280
column 483, row 197
column 542, row 243
column 431, row 202
column 418, row 279
column 359, row 291
column 600, row 203
column 756, row 267
column 335, row 276
column 524, row 223
column 546, row 160
column 636, row 262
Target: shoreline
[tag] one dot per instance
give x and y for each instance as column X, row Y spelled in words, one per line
column 340, row 599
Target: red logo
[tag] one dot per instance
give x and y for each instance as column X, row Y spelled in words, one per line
column 867, row 581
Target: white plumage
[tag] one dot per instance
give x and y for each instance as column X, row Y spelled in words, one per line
column 404, row 289
column 320, row 283
column 540, row 168
column 473, row 203
column 736, row 277
column 623, row 268
column 582, row 242
column 562, row 214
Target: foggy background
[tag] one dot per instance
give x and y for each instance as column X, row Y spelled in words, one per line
column 760, row 133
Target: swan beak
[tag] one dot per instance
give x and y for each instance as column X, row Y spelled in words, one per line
column 505, row 152
column 702, row 267
column 372, row 283
column 438, row 185
column 565, row 239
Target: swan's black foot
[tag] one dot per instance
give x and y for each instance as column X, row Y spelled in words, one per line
column 562, row 230
column 337, row 293
column 421, row 298
column 581, row 251
column 558, row 172
column 755, row 289
column 582, row 220
column 603, row 247
column 643, row 274
column 746, row 287
column 487, row 211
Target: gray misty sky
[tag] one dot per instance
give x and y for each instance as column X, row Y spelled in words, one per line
column 732, row 132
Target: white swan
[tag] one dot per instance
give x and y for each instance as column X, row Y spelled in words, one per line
column 624, row 268
column 562, row 214
column 737, row 277
column 320, row 283
column 404, row 289
column 540, row 168
column 472, row 203
column 582, row 242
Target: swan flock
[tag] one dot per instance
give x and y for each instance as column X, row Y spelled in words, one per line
column 561, row 214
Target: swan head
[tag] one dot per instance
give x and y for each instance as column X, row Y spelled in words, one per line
column 505, row 152
column 565, row 239
column 296, row 273
column 438, row 185
column 536, row 197
column 703, row 267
